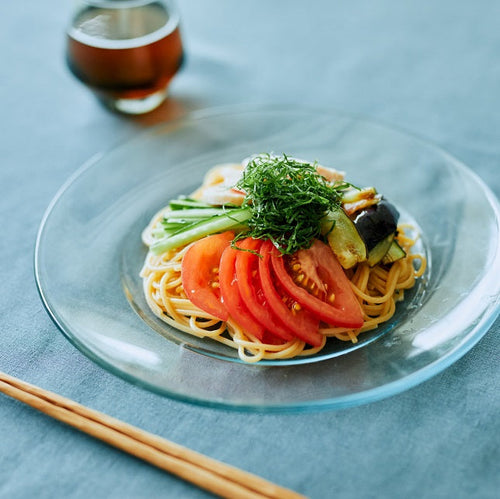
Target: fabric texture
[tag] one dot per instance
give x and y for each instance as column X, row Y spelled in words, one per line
column 432, row 68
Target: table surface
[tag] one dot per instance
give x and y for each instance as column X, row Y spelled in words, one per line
column 432, row 68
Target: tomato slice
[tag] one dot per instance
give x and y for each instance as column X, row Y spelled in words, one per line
column 199, row 273
column 247, row 268
column 298, row 320
column 316, row 280
column 231, row 296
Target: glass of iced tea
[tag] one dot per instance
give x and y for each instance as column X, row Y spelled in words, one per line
column 126, row 51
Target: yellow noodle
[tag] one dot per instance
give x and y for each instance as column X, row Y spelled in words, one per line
column 377, row 289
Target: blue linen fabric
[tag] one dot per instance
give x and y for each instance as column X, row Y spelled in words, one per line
column 432, row 68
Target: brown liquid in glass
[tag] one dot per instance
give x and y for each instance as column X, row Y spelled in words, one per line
column 126, row 56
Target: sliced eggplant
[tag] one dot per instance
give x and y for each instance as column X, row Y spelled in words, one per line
column 394, row 253
column 344, row 239
column 380, row 250
column 376, row 223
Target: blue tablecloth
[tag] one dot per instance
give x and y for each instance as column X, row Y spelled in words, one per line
column 432, row 68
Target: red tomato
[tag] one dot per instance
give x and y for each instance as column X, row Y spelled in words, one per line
column 200, row 271
column 231, row 296
column 302, row 323
column 247, row 267
column 316, row 280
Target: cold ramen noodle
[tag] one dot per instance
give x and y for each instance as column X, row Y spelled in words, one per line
column 275, row 255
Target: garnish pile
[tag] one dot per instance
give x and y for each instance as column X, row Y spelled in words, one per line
column 271, row 247
column 288, row 200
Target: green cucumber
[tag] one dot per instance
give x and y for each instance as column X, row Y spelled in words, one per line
column 394, row 253
column 169, row 226
column 187, row 203
column 191, row 232
column 194, row 213
column 377, row 253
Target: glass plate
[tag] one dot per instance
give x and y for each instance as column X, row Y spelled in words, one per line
column 89, row 253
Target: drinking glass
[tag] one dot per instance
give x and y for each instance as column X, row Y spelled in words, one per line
column 125, row 51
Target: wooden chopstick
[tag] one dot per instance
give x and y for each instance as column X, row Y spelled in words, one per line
column 207, row 473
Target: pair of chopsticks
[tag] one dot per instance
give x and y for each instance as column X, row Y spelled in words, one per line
column 207, row 473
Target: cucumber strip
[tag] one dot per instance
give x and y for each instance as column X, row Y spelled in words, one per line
column 187, row 203
column 394, row 253
column 196, row 213
column 192, row 232
column 180, row 222
column 160, row 232
column 377, row 253
column 170, row 225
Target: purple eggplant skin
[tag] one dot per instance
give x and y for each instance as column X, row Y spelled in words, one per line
column 377, row 222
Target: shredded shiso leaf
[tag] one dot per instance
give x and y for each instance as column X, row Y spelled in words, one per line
column 288, row 200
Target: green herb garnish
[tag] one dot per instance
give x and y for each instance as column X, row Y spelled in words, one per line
column 288, row 199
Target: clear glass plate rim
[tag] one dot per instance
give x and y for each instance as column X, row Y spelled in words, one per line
column 372, row 395
column 489, row 315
